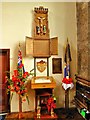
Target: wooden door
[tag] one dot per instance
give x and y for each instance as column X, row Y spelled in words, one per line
column 54, row 46
column 4, row 66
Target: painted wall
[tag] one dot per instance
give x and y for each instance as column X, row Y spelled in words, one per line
column 17, row 23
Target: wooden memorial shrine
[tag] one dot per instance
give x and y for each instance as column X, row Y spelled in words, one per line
column 40, row 46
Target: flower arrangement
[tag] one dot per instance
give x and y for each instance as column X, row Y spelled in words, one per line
column 51, row 104
column 17, row 83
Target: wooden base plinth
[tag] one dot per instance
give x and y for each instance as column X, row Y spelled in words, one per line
column 46, row 117
column 20, row 115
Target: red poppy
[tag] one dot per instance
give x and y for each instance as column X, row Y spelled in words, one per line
column 25, row 74
column 9, row 86
column 67, row 81
column 14, row 78
column 17, row 88
column 50, row 104
column 12, row 90
column 21, row 83
column 20, row 66
column 15, row 72
column 24, row 100
column 25, row 90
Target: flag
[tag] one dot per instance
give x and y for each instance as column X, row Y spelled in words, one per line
column 67, row 53
column 19, row 57
column 67, row 60
column 20, row 63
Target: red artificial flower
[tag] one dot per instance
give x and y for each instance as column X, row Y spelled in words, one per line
column 21, row 83
column 20, row 66
column 22, row 92
column 26, row 74
column 15, row 72
column 49, row 108
column 25, row 90
column 9, row 86
column 17, row 88
column 14, row 78
column 50, row 104
column 67, row 81
column 19, row 92
column 12, row 90
column 24, row 100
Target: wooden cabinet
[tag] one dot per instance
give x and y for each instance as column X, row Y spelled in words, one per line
column 41, row 47
column 43, row 90
column 42, row 95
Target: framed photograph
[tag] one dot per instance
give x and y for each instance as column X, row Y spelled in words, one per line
column 56, row 65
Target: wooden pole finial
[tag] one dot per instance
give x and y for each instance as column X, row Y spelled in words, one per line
column 19, row 45
column 67, row 39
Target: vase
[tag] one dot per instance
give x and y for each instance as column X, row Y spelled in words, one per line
column 20, row 115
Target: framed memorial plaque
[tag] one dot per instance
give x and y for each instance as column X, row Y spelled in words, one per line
column 56, row 65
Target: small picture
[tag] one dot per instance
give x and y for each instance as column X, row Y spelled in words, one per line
column 56, row 65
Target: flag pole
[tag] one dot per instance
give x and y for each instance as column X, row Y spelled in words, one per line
column 67, row 80
column 20, row 101
column 67, row 99
column 20, row 108
column 67, row 91
column 67, row 62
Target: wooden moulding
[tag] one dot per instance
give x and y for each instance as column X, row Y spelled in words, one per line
column 34, row 85
column 79, row 103
column 82, row 81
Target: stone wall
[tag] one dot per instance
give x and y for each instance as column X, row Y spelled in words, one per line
column 89, row 39
column 83, row 39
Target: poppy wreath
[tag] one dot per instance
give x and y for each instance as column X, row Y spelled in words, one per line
column 51, row 104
